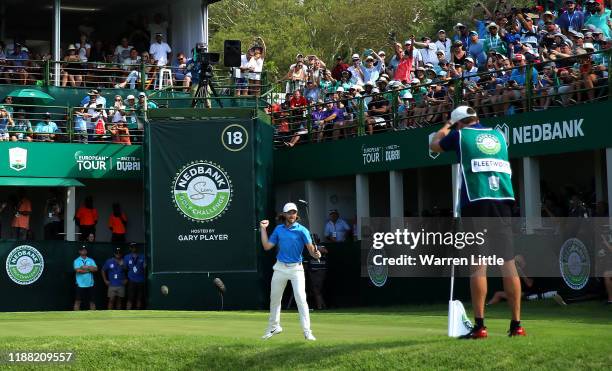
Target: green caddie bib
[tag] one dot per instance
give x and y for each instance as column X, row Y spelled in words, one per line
column 484, row 164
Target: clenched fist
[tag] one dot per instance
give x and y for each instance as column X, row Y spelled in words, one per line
column 264, row 224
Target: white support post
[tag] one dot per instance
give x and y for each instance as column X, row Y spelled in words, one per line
column 599, row 177
column 420, row 192
column 57, row 14
column 396, row 199
column 456, row 183
column 609, row 181
column 362, row 195
column 532, row 200
column 69, row 211
column 396, row 194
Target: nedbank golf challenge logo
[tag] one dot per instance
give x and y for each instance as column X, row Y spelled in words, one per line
column 202, row 191
column 378, row 273
column 24, row 265
column 488, row 144
column 574, row 263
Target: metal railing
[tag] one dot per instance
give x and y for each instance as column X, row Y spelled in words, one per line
column 141, row 76
column 34, row 123
column 491, row 93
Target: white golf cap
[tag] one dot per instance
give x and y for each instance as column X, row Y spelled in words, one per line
column 130, row 97
column 355, row 56
column 462, row 112
column 289, row 206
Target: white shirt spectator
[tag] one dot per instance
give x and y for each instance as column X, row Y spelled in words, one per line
column 356, row 78
column 445, row 46
column 160, row 51
column 122, row 53
column 257, row 66
column 243, row 65
column 339, row 229
column 82, row 51
column 428, row 55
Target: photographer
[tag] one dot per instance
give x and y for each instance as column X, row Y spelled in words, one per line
column 296, row 77
column 515, row 87
column 599, row 17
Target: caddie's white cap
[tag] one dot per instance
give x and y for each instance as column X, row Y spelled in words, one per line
column 289, row 206
column 461, row 113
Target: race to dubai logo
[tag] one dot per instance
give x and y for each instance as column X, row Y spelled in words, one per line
column 202, row 191
column 24, row 265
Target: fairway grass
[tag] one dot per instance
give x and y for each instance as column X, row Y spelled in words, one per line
column 575, row 337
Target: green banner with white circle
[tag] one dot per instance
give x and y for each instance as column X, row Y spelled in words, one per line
column 200, row 193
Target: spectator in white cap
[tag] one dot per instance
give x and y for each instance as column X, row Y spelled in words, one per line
column 356, row 70
column 494, row 43
column 381, row 60
column 290, row 238
column 131, row 114
column 461, row 33
column 71, row 70
column 471, row 71
column 443, row 43
column 371, row 72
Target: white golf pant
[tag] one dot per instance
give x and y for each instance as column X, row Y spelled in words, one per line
column 283, row 273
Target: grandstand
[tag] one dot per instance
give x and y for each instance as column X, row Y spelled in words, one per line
column 77, row 112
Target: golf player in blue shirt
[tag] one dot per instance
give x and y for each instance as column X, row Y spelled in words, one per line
column 290, row 237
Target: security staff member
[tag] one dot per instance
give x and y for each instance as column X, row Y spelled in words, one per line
column 486, row 191
column 290, row 237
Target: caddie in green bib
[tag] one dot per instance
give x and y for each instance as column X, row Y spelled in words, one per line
column 486, row 196
column 484, row 163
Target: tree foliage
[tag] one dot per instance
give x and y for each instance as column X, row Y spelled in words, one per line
column 326, row 28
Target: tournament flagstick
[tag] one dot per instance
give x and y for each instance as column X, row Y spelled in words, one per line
column 458, row 323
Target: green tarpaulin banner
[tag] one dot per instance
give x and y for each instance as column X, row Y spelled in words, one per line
column 201, row 192
column 70, row 160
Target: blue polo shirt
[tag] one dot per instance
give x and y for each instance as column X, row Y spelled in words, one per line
column 84, row 279
column 290, row 242
column 135, row 266
column 115, row 271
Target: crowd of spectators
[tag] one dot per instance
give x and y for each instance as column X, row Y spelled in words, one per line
column 95, row 63
column 492, row 62
column 94, row 120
